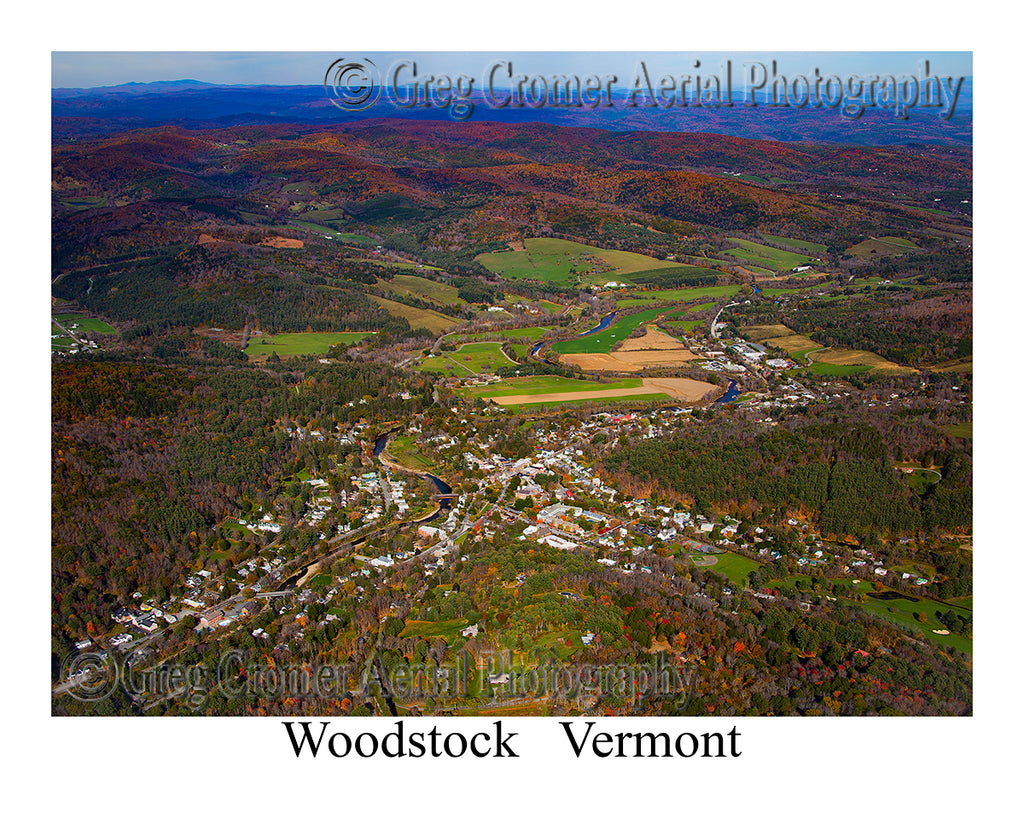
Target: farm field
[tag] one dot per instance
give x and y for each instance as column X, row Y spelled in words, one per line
column 417, row 317
column 323, row 230
column 681, row 314
column 653, row 349
column 356, row 239
column 838, row 370
column 561, row 261
column 287, row 345
column 838, row 356
column 554, row 390
column 86, row 325
column 540, row 384
column 635, row 299
column 964, row 430
column 603, row 341
column 420, row 288
column 807, row 247
column 685, row 325
column 882, row 246
column 546, row 306
column 779, row 335
column 469, row 359
column 961, row 365
column 653, row 339
column 764, row 256
column 522, row 334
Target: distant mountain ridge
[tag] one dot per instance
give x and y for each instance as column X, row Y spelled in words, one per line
column 196, row 105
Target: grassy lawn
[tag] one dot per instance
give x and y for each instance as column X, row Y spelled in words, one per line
column 964, row 430
column 735, row 567
column 604, row 341
column 417, row 318
column 765, row 256
column 561, row 261
column 404, row 450
column 287, row 345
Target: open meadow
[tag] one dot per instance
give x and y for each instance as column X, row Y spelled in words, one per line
column 288, row 345
column 764, row 256
column 561, row 261
column 469, row 359
column 417, row 317
column 554, row 389
column 420, row 288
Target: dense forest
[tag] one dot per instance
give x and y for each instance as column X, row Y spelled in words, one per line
column 841, row 474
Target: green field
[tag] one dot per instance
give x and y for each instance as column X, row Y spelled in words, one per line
column 630, row 299
column 469, row 359
column 287, row 345
column 448, row 629
column 604, row 341
column 568, row 402
column 685, row 325
column 84, row 202
column 85, row 325
column 562, row 261
column 404, row 450
column 356, row 239
column 964, row 430
column 882, row 246
column 838, row 370
column 522, row 334
column 806, row 247
column 417, row 318
column 540, row 384
column 546, row 306
column 321, row 229
column 421, row 288
column 735, row 567
column 765, row 256
column 898, row 611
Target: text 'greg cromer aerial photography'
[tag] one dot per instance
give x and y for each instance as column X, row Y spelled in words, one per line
column 512, row 384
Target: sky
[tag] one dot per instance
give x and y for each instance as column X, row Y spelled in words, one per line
column 88, row 69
